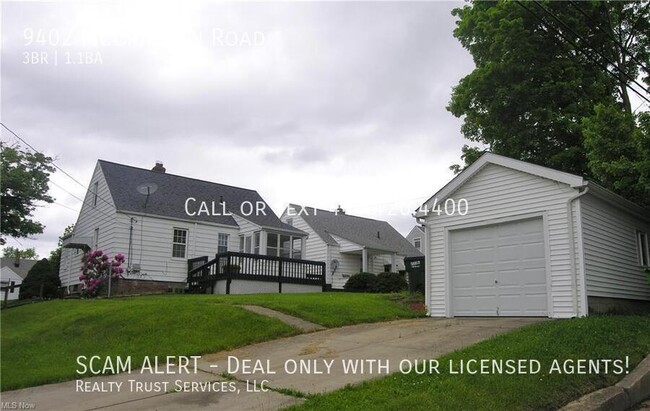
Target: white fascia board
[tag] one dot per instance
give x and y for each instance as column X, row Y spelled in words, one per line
column 490, row 158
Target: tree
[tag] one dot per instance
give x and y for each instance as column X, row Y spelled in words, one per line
column 11, row 252
column 40, row 281
column 618, row 151
column 541, row 68
column 24, row 182
column 55, row 255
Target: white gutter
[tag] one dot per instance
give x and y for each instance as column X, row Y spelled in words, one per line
column 572, row 256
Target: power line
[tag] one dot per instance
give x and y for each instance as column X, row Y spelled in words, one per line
column 55, row 165
column 609, row 34
column 84, row 202
column 576, row 47
column 65, row 206
column 566, row 26
column 87, row 189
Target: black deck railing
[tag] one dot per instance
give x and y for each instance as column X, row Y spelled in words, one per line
column 202, row 275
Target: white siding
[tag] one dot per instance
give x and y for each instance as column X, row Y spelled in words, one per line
column 151, row 241
column 413, row 234
column 346, row 246
column 378, row 262
column 348, row 264
column 499, row 193
column 610, row 251
column 7, row 276
column 152, row 245
column 315, row 247
column 92, row 216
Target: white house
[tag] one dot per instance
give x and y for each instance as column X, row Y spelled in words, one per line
column 159, row 221
column 517, row 239
column 348, row 244
column 415, row 237
column 13, row 272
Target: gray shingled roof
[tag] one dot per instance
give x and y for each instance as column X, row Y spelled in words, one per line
column 360, row 230
column 23, row 267
column 172, row 191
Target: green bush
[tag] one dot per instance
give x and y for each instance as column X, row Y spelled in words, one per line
column 390, row 283
column 40, row 279
column 362, row 282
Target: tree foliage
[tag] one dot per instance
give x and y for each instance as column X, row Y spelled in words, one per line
column 40, row 281
column 542, row 68
column 27, row 253
column 618, row 150
column 24, row 183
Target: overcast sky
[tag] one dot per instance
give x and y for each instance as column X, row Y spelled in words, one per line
column 318, row 104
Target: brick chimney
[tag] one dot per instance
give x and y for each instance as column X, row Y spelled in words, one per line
column 158, row 168
column 17, row 260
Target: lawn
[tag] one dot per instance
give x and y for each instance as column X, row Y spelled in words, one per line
column 40, row 342
column 596, row 337
column 330, row 309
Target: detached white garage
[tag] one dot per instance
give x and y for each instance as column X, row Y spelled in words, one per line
column 532, row 241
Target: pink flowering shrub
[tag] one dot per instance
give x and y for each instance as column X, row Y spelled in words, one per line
column 96, row 269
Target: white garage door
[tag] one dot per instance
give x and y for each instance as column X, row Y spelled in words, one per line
column 499, row 270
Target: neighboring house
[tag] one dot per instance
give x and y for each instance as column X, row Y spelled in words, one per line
column 415, row 237
column 532, row 241
column 13, row 272
column 159, row 221
column 348, row 244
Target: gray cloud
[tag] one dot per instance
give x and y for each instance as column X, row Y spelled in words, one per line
column 334, row 88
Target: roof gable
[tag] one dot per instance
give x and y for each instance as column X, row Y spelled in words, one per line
column 491, row 158
column 369, row 233
column 174, row 193
column 23, row 268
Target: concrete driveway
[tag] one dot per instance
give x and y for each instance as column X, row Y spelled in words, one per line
column 310, row 363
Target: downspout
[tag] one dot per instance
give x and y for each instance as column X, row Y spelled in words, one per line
column 427, row 280
column 572, row 254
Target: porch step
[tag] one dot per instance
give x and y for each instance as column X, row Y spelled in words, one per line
column 299, row 323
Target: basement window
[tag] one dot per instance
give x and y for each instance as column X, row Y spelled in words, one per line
column 642, row 248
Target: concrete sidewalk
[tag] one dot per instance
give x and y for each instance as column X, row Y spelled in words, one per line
column 276, row 364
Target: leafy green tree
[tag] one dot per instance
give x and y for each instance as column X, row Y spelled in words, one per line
column 55, row 255
column 618, row 150
column 40, row 281
column 11, row 252
column 537, row 78
column 24, row 183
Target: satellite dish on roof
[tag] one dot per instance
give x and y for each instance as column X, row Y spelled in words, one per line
column 147, row 188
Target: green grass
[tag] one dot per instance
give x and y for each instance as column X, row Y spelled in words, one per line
column 40, row 342
column 330, row 309
column 597, row 337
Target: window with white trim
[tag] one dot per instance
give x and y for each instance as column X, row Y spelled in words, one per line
column 179, row 243
column 417, row 243
column 642, row 248
column 222, row 243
